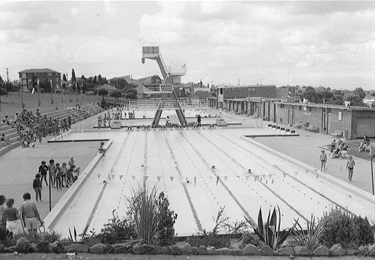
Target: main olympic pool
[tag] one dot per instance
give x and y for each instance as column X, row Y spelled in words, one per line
column 179, row 163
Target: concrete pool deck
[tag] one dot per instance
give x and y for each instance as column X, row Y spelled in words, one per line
column 16, row 174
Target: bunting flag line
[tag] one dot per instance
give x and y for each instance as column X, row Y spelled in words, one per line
column 159, row 178
column 171, row 178
column 247, row 177
column 133, row 177
column 145, row 177
column 225, row 178
column 255, row 178
column 121, row 176
column 112, row 176
column 195, row 181
column 109, row 176
column 272, row 181
column 98, row 176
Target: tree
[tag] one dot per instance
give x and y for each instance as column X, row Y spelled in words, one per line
column 155, row 79
column 355, row 100
column 373, row 94
column 131, row 95
column 73, row 76
column 102, row 92
column 64, row 77
column 360, row 92
column 116, row 94
column 311, row 95
column 94, row 80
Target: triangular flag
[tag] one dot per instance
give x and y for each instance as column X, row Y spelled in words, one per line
column 272, row 181
column 109, row 176
column 98, row 176
column 225, row 178
column 121, row 176
column 159, row 177
column 171, row 178
column 195, row 180
column 217, row 179
column 146, row 177
column 112, row 176
column 255, row 178
column 247, row 177
column 133, row 177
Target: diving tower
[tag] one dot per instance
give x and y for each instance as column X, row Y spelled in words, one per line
column 169, row 99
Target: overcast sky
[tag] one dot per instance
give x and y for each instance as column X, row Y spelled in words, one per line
column 305, row 43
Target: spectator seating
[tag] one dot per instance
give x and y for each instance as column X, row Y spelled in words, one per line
column 76, row 114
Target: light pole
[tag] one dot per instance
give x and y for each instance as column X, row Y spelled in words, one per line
column 372, row 174
column 19, row 87
column 49, row 191
column 38, row 93
column 50, row 84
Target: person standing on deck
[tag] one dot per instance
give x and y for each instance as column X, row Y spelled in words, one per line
column 350, row 167
column 323, row 160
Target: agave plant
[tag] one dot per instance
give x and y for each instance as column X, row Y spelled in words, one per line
column 311, row 237
column 269, row 231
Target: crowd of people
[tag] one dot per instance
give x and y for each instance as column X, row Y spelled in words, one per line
column 14, row 221
column 338, row 148
column 33, row 127
column 118, row 113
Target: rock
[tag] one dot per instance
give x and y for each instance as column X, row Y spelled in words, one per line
column 10, row 249
column 97, row 249
column 42, row 246
column 363, row 250
column 246, row 238
column 34, row 247
column 302, row 251
column 266, row 250
column 322, row 251
column 250, row 250
column 165, row 250
column 337, row 250
column 121, row 248
column 144, row 250
column 77, row 248
column 56, row 247
column 286, row 251
column 224, row 251
column 175, row 250
column 23, row 245
column 351, row 252
column 187, row 249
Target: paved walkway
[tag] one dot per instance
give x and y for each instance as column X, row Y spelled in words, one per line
column 19, row 166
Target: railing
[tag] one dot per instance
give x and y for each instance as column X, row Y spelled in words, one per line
column 154, row 104
column 158, row 88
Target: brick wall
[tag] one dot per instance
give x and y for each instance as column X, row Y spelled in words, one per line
column 359, row 114
column 341, row 125
column 243, row 92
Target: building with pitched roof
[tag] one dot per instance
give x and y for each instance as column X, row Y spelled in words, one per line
column 29, row 78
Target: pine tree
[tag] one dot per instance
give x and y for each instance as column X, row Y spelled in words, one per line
column 73, row 76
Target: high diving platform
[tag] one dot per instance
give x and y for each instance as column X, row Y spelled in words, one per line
column 165, row 90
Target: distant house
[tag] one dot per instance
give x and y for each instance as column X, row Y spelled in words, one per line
column 29, row 78
column 369, row 100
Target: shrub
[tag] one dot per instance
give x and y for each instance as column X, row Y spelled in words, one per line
column 212, row 238
column 3, row 91
column 166, row 220
column 365, row 235
column 117, row 229
column 269, row 231
column 346, row 229
column 311, row 238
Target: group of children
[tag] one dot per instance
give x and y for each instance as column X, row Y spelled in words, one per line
column 337, row 148
column 61, row 175
column 349, row 164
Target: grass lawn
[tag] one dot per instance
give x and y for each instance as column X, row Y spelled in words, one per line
column 353, row 148
column 12, row 104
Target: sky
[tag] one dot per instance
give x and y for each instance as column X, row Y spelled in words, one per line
column 312, row 43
